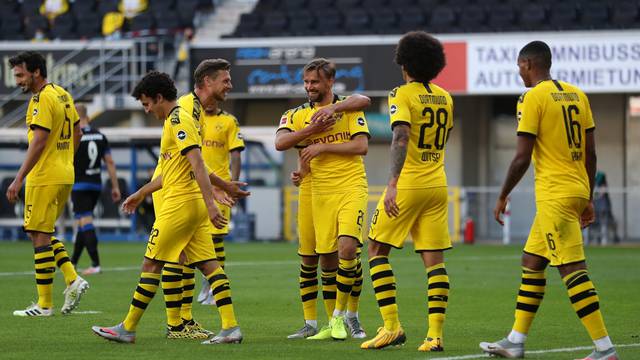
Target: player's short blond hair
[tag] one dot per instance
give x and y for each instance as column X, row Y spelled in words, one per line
column 327, row 67
column 209, row 68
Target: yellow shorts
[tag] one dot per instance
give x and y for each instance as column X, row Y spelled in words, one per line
column 157, row 202
column 181, row 226
column 555, row 233
column 43, row 205
column 306, row 232
column 226, row 212
column 424, row 213
column 335, row 215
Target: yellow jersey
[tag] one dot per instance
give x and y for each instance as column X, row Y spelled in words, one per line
column 331, row 172
column 52, row 109
column 220, row 135
column 428, row 110
column 558, row 114
column 180, row 134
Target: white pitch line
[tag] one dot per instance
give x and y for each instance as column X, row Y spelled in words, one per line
column 85, row 312
column 547, row 351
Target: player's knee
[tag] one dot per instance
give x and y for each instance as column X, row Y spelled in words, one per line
column 309, row 260
column 152, row 266
column 347, row 248
column 377, row 249
column 571, row 268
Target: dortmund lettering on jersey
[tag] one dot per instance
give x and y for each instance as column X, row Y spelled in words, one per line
column 52, row 109
column 178, row 179
column 559, row 115
column 332, row 172
column 428, row 110
column 220, row 135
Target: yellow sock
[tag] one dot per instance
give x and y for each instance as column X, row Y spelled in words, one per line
column 437, row 298
column 586, row 303
column 384, row 286
column 188, row 286
column 143, row 295
column 172, row 289
column 309, row 291
column 354, row 296
column 218, row 244
column 45, row 267
column 222, row 295
column 344, row 281
column 529, row 299
column 63, row 261
column 329, row 290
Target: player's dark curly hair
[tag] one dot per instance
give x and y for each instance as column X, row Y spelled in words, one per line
column 421, row 55
column 154, row 83
column 33, row 61
column 538, row 52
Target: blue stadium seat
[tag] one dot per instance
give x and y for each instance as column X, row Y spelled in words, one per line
column 64, row 27
column 503, row 18
column 11, row 27
column 142, row 22
column 377, row 4
column 532, row 17
column 301, row 23
column 594, row 15
column 292, row 5
column 249, row 23
column 33, row 23
column 274, row 23
column 564, row 16
column 89, row 25
column 383, row 21
column 624, row 14
column 158, row 6
column 348, row 4
column 428, row 5
column 473, row 18
column 166, row 21
column 319, row 5
column 329, row 22
column 80, row 8
column 443, row 20
column 106, row 6
column 357, row 22
column 409, row 19
column 399, row 4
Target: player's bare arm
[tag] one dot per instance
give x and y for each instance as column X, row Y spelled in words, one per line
column 134, row 200
column 299, row 174
column 77, row 135
column 286, row 139
column 359, row 145
column 517, row 169
column 36, row 147
column 355, row 102
column 398, row 156
column 591, row 163
column 232, row 188
column 111, row 169
column 197, row 164
column 236, row 165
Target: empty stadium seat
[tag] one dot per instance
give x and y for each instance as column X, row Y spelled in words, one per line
column 442, row 20
column 383, row 20
column 321, row 4
column 532, row 17
column 142, row 22
column 292, row 5
column 301, row 23
column 563, row 16
column 624, row 14
column 473, row 18
column 502, row 18
column 81, row 8
column 274, row 23
column 89, row 26
column 35, row 23
column 166, row 21
column 64, row 27
column 409, row 19
column 106, row 6
column 329, row 22
column 347, row 4
column 30, row 7
column 357, row 21
column 594, row 15
column 11, row 27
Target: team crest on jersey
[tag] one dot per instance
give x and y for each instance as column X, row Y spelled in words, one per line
column 182, row 135
column 393, row 109
column 393, row 92
column 35, row 112
column 240, row 136
column 519, row 116
column 219, row 127
column 361, row 121
column 175, row 119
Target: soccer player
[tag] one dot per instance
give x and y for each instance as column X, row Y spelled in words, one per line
column 222, row 144
column 306, row 244
column 93, row 149
column 556, row 128
column 183, row 224
column 53, row 134
column 333, row 147
column 415, row 200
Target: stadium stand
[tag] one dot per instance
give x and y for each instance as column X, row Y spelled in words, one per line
column 328, row 17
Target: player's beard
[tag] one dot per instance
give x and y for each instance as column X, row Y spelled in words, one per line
column 318, row 97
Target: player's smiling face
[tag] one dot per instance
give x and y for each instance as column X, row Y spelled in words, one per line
column 316, row 85
column 220, row 85
column 24, row 78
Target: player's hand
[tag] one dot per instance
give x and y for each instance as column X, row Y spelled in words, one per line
column 13, row 191
column 588, row 216
column 501, row 206
column 324, row 114
column 318, row 126
column 216, row 218
column 310, row 152
column 132, row 202
column 296, row 178
column 115, row 195
column 222, row 197
column 234, row 189
column 390, row 205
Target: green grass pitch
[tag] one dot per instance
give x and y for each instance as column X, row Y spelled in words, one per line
column 484, row 281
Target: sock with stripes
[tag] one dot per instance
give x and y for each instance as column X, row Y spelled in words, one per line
column 188, row 286
column 344, row 281
column 63, row 261
column 78, row 247
column 222, row 295
column 172, row 289
column 384, row 287
column 309, row 291
column 218, row 244
column 329, row 289
column 586, row 303
column 354, row 297
column 91, row 241
column 45, row 267
column 143, row 295
column 437, row 298
column 529, row 299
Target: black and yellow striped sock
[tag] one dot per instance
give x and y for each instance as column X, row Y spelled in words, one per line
column 188, row 286
column 143, row 295
column 218, row 244
column 222, row 295
column 45, row 267
column 437, row 298
column 384, row 287
column 344, row 281
column 586, row 303
column 329, row 289
column 63, row 261
column 529, row 298
column 172, row 289
column 356, row 289
column 309, row 291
